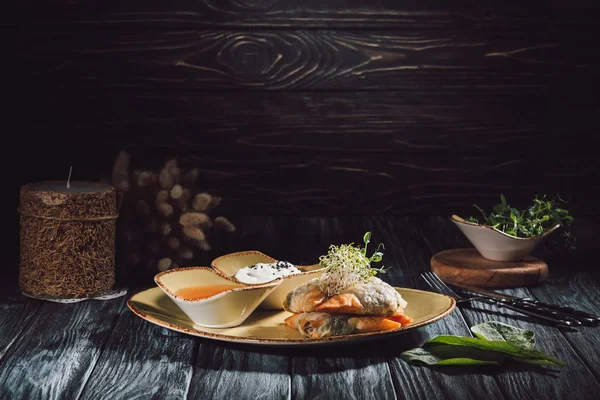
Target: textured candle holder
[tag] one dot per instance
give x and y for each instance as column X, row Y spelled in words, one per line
column 67, row 238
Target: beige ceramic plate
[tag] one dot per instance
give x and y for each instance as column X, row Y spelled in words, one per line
column 268, row 328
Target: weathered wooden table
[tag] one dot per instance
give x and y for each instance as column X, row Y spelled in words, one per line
column 100, row 349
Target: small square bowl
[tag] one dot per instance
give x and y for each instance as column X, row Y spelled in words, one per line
column 226, row 309
column 230, row 264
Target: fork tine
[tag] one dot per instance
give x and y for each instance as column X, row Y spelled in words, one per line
column 429, row 283
column 440, row 282
column 436, row 286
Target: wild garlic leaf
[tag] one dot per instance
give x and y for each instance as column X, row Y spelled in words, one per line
column 420, row 355
column 492, row 345
column 498, row 331
column 465, row 361
column 447, row 351
column 496, row 343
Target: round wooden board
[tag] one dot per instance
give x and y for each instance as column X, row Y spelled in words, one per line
column 467, row 266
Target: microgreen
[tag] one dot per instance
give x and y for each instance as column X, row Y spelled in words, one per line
column 347, row 265
column 541, row 215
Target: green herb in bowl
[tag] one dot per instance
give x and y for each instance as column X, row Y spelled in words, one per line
column 539, row 217
column 535, row 220
column 509, row 234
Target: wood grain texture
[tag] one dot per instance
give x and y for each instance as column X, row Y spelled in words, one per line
column 16, row 313
column 223, row 372
column 579, row 288
column 498, row 63
column 388, row 107
column 305, row 153
column 304, row 13
column 142, row 360
column 580, row 291
column 467, row 266
column 315, row 378
column 57, row 352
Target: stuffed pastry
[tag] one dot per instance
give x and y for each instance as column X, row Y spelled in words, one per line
column 374, row 297
column 317, row 325
column 347, row 298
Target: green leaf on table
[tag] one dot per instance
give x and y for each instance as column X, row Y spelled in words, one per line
column 422, row 355
column 498, row 331
column 492, row 345
column 496, row 343
column 465, row 361
column 426, row 357
column 452, row 351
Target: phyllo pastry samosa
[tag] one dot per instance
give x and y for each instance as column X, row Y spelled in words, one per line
column 374, row 297
column 347, row 299
column 317, row 325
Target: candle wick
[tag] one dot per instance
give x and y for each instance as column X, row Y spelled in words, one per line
column 69, row 178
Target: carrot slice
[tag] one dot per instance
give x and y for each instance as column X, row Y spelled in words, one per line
column 401, row 318
column 374, row 324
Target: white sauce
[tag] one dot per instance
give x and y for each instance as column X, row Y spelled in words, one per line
column 266, row 272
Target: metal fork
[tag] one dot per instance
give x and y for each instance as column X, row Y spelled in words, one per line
column 440, row 286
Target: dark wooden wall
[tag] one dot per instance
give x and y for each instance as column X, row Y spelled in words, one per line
column 316, row 107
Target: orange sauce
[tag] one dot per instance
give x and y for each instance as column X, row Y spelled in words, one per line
column 202, row 292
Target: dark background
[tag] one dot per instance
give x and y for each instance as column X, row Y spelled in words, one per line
column 314, row 107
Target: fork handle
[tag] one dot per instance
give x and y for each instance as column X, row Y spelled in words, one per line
column 581, row 315
column 535, row 311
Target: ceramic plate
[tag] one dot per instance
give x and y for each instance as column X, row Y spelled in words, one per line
column 268, row 328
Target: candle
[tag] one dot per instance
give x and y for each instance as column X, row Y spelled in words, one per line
column 67, row 238
column 69, row 187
